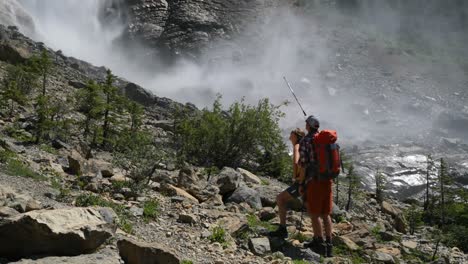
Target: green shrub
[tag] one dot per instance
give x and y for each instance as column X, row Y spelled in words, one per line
column 243, row 136
column 150, row 209
column 186, row 262
column 218, row 234
column 6, row 155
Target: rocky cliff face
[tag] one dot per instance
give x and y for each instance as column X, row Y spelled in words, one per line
column 186, row 28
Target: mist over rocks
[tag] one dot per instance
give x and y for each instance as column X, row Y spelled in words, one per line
column 385, row 102
column 13, row 14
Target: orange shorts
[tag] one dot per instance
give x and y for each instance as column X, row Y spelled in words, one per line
column 320, row 197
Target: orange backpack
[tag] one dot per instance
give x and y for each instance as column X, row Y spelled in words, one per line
column 327, row 154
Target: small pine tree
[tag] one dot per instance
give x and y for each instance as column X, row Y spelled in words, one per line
column 12, row 96
column 414, row 216
column 353, row 183
column 442, row 181
column 44, row 112
column 91, row 104
column 113, row 106
column 135, row 112
column 42, row 65
column 429, row 182
column 380, row 184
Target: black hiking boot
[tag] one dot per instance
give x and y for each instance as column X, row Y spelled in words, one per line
column 329, row 249
column 318, row 246
column 281, row 232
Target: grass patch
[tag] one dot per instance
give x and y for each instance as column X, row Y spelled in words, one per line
column 218, row 234
column 265, row 182
column 254, row 223
column 6, row 155
column 186, row 262
column 119, row 185
column 375, row 231
column 16, row 167
column 150, row 210
column 48, row 149
column 85, row 200
column 354, row 256
column 300, row 261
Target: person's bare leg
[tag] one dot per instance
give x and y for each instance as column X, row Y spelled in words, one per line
column 282, row 201
column 327, row 222
column 316, row 226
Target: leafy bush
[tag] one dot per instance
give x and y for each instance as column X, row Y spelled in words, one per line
column 218, row 234
column 137, row 154
column 243, row 136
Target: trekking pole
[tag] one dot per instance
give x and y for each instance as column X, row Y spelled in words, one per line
column 292, row 91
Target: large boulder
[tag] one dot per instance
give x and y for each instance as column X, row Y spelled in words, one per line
column 249, row 177
column 106, row 256
column 188, row 180
column 76, row 163
column 390, row 209
column 228, row 180
column 247, row 195
column 174, row 191
column 61, row 232
column 133, row 252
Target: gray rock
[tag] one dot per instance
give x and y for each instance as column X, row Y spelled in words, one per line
column 400, row 224
column 383, row 257
column 188, row 180
column 387, row 236
column 133, row 252
column 246, row 194
column 50, row 232
column 118, row 196
column 390, row 209
column 259, row 246
column 188, row 218
column 249, row 177
column 76, row 163
column 267, row 213
column 106, row 256
column 228, row 180
column 32, row 205
column 106, row 168
column 7, row 212
column 136, row 211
